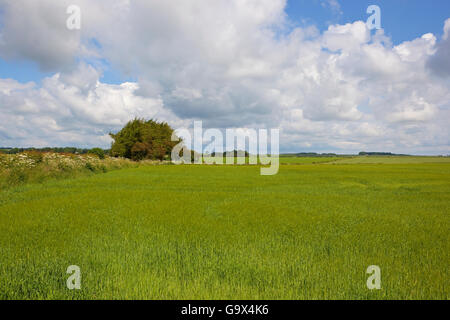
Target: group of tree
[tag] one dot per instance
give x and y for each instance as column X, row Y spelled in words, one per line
column 141, row 139
column 314, row 154
column 234, row 153
column 308, row 154
column 364, row 153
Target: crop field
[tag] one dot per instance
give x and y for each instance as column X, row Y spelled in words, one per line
column 226, row 232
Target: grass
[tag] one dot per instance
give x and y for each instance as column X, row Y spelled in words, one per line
column 225, row 232
column 37, row 167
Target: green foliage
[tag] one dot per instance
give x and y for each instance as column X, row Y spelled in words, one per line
column 36, row 167
column 308, row 154
column 17, row 176
column 100, row 153
column 141, row 139
column 35, row 156
column 89, row 166
column 234, row 153
column 307, row 160
column 363, row 153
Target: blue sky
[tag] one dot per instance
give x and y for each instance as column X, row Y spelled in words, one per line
column 401, row 19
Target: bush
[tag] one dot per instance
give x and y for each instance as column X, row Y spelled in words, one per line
column 100, row 153
column 89, row 166
column 141, row 139
column 140, row 151
column 17, row 176
column 36, row 156
column 29, row 167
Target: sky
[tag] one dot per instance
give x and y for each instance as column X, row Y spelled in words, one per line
column 311, row 68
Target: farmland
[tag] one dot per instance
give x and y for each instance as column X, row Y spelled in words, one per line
column 226, row 232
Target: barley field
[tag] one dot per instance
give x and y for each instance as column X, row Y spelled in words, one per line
column 226, row 232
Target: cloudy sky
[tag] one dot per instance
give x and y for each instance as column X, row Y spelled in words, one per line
column 311, row 68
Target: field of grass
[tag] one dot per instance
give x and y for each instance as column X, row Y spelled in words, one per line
column 226, row 232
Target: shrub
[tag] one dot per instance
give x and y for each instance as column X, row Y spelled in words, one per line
column 16, row 169
column 140, row 151
column 89, row 166
column 17, row 176
column 141, row 139
column 100, row 153
column 36, row 156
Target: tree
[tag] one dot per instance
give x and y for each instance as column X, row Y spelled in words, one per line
column 141, row 139
column 98, row 152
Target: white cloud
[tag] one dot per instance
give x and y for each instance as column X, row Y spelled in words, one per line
column 66, row 111
column 439, row 63
column 229, row 63
column 35, row 30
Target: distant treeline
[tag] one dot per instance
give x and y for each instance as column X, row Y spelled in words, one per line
column 234, row 153
column 308, row 154
column 363, row 153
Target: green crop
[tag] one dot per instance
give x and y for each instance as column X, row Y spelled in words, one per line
column 226, row 232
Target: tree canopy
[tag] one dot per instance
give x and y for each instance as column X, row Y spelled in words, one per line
column 141, row 139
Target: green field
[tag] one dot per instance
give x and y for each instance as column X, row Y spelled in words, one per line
column 226, row 232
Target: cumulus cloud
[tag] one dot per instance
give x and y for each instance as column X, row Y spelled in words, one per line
column 65, row 110
column 440, row 61
column 34, row 30
column 229, row 63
